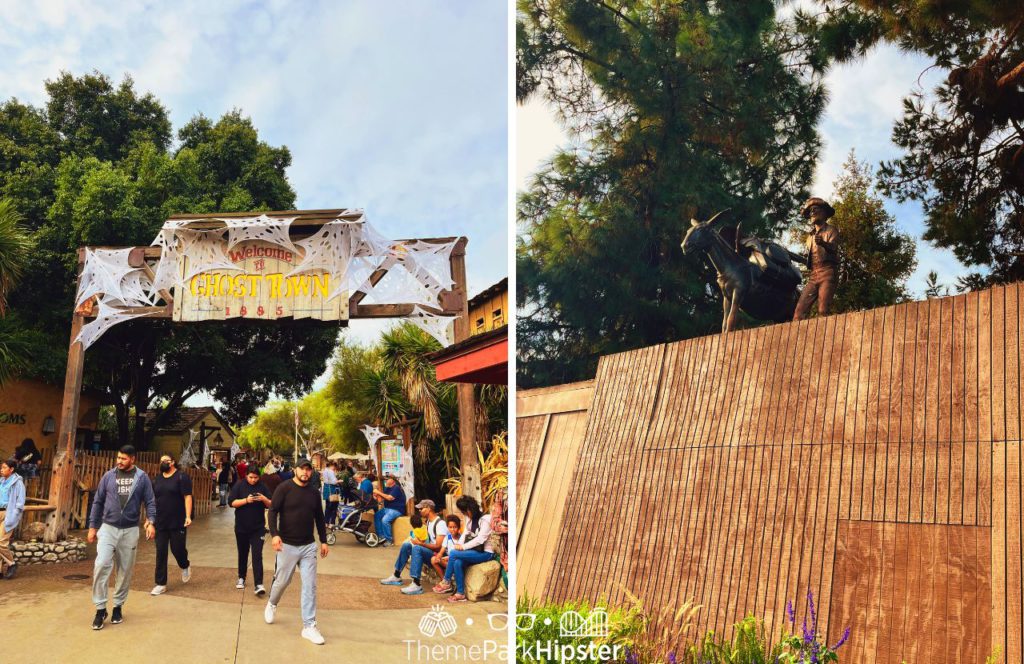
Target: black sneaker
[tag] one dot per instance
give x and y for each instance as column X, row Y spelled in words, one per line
column 11, row 571
column 116, row 618
column 101, row 615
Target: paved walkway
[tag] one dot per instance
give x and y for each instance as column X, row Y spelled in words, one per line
column 46, row 613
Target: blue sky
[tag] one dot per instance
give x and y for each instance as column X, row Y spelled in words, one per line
column 400, row 108
column 865, row 98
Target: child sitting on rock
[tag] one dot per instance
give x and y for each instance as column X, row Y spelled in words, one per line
column 440, row 559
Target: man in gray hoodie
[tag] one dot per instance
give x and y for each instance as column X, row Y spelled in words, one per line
column 114, row 521
column 12, row 504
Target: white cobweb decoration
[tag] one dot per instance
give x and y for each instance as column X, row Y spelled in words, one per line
column 347, row 248
column 399, row 286
column 166, row 273
column 329, row 249
column 106, row 317
column 188, row 457
column 261, row 228
column 205, row 251
column 103, row 273
column 373, row 434
column 437, row 326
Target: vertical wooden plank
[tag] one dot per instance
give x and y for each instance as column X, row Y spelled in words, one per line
column 884, row 411
column 918, row 444
column 908, row 379
column 984, row 378
column 956, row 405
column 999, row 546
column 931, row 416
column 892, row 477
column 971, row 447
column 1013, row 560
column 942, row 410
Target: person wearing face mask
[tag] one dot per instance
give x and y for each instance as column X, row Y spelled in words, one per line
column 295, row 510
column 173, row 492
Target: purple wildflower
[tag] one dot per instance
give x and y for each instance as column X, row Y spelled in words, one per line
column 814, row 614
column 671, row 658
column 790, row 612
column 632, row 658
column 842, row 640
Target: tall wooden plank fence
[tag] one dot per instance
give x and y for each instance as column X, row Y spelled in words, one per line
column 871, row 458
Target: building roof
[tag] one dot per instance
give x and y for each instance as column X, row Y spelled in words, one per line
column 479, row 359
column 488, row 293
column 187, row 417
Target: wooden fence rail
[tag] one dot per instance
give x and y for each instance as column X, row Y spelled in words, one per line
column 90, row 467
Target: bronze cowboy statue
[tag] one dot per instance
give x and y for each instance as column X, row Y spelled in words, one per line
column 759, row 278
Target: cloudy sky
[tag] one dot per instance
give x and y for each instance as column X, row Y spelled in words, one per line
column 865, row 99
column 399, row 108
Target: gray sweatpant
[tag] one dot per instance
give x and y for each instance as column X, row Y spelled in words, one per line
column 285, row 562
column 113, row 546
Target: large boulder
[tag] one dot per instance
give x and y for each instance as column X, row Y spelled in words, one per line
column 33, row 531
column 482, row 580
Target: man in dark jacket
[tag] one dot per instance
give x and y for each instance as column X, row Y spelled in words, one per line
column 114, row 523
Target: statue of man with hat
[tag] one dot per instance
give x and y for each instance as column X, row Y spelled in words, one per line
column 822, row 259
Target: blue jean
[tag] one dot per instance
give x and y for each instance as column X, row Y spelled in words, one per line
column 287, row 559
column 224, row 489
column 418, row 555
column 382, row 521
column 459, row 561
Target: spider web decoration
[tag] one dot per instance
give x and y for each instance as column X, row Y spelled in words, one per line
column 430, row 263
column 329, row 249
column 205, row 251
column 166, row 274
column 188, row 457
column 107, row 317
column 437, row 326
column 349, row 250
column 103, row 273
column 136, row 290
column 399, row 286
column 373, row 434
column 262, row 228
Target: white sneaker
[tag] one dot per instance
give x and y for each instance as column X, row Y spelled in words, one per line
column 260, row 590
column 158, row 590
column 186, row 574
column 268, row 613
column 391, row 581
column 412, row 589
column 241, row 584
column 311, row 633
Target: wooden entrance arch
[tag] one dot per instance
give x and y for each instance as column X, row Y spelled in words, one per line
column 451, row 302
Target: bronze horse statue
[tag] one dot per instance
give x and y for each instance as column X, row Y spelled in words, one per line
column 765, row 284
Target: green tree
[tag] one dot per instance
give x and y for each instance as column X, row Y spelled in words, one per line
column 96, row 166
column 683, row 109
column 876, row 258
column 963, row 143
column 15, row 248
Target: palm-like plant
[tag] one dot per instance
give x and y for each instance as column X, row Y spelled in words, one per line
column 15, row 245
column 404, row 352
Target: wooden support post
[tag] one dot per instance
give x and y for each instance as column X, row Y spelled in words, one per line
column 61, row 483
column 470, row 462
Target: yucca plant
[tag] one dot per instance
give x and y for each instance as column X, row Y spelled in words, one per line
column 493, row 471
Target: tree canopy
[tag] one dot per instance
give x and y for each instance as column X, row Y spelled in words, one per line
column 683, row 109
column 876, row 258
column 98, row 165
column 963, row 142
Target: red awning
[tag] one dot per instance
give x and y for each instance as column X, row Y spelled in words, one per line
column 480, row 359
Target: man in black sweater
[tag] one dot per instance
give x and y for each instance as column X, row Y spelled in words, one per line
column 294, row 510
